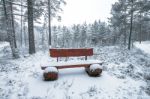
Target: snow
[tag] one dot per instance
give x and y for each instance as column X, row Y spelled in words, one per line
column 144, row 46
column 3, row 44
column 50, row 47
column 4, row 49
column 70, row 62
column 122, row 77
column 95, row 66
column 50, row 69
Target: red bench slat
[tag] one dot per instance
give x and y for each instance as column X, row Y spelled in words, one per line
column 71, row 52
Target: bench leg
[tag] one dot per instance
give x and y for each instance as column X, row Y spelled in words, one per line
column 57, row 59
column 85, row 57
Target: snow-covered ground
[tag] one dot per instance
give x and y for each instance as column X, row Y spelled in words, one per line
column 144, row 46
column 4, row 48
column 125, row 76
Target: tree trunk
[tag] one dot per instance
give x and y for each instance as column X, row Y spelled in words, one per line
column 49, row 21
column 131, row 23
column 125, row 30
column 21, row 26
column 25, row 34
column 11, row 37
column 30, row 27
column 140, row 28
column 125, row 35
column 12, row 22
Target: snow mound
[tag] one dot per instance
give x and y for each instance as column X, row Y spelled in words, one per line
column 95, row 66
column 51, row 69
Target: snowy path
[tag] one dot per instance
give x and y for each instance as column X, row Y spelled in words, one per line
column 122, row 78
column 144, row 46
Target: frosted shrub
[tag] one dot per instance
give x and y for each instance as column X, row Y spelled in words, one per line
column 92, row 91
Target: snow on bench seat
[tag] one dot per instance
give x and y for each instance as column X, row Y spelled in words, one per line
column 71, row 64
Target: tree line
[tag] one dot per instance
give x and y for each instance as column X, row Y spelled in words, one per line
column 130, row 21
column 81, row 35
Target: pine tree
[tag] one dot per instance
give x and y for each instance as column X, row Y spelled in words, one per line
column 76, row 37
column 94, row 30
column 30, row 27
column 55, row 36
column 9, row 19
column 83, row 35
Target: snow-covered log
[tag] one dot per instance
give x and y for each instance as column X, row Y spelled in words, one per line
column 94, row 70
column 50, row 73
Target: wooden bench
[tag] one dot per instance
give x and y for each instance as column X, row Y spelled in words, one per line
column 56, row 53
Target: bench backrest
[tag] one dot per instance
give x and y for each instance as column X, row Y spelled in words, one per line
column 71, row 52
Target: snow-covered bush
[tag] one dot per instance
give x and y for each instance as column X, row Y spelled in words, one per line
column 92, row 91
column 16, row 53
column 147, row 74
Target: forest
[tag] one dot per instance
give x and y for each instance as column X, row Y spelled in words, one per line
column 129, row 23
column 122, row 43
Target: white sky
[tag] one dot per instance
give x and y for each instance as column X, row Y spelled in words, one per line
column 79, row 11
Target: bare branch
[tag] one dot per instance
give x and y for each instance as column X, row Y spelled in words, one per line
column 17, row 4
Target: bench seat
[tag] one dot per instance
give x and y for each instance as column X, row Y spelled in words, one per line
column 70, row 64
